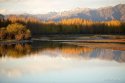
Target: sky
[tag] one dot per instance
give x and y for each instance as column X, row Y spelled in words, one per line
column 45, row 6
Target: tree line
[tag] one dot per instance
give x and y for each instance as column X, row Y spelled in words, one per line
column 65, row 26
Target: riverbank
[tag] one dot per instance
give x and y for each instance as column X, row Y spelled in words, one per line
column 75, row 39
column 116, row 42
column 82, row 38
column 4, row 42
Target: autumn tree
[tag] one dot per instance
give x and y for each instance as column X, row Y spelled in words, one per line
column 18, row 31
column 3, row 33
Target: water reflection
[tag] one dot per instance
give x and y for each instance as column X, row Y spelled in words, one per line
column 15, row 51
column 53, row 62
column 55, row 49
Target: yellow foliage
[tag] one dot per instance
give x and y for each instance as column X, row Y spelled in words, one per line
column 114, row 23
column 15, row 28
column 76, row 21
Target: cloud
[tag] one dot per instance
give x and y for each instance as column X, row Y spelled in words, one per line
column 10, row 0
column 12, row 73
column 44, row 6
column 3, row 11
column 34, row 65
column 4, row 0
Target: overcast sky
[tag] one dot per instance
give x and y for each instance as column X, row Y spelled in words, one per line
column 44, row 6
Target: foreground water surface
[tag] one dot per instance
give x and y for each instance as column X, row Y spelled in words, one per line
column 54, row 62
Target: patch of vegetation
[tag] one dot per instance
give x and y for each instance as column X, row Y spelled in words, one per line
column 15, row 31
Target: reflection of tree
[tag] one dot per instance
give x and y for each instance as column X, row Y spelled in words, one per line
column 71, row 51
column 65, row 50
column 2, row 50
column 15, row 51
column 76, row 50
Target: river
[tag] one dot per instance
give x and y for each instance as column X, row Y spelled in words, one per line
column 57, row 62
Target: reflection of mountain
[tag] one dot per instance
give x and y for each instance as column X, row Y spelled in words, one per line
column 107, row 54
column 54, row 49
column 86, row 53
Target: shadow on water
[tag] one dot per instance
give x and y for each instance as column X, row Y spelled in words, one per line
column 55, row 49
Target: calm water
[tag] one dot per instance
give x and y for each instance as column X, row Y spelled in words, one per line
column 53, row 62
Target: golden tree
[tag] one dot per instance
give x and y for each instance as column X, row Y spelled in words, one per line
column 2, row 33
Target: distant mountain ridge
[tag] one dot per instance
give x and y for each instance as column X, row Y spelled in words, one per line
column 101, row 14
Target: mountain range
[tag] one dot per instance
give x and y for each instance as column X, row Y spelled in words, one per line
column 101, row 14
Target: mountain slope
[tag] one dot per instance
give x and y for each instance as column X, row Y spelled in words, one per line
column 101, row 14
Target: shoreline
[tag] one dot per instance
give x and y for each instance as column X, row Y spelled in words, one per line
column 85, row 41
column 6, row 42
column 98, row 39
column 82, row 38
column 115, row 44
column 122, row 41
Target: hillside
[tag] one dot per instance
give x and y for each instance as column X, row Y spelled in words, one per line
column 101, row 14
